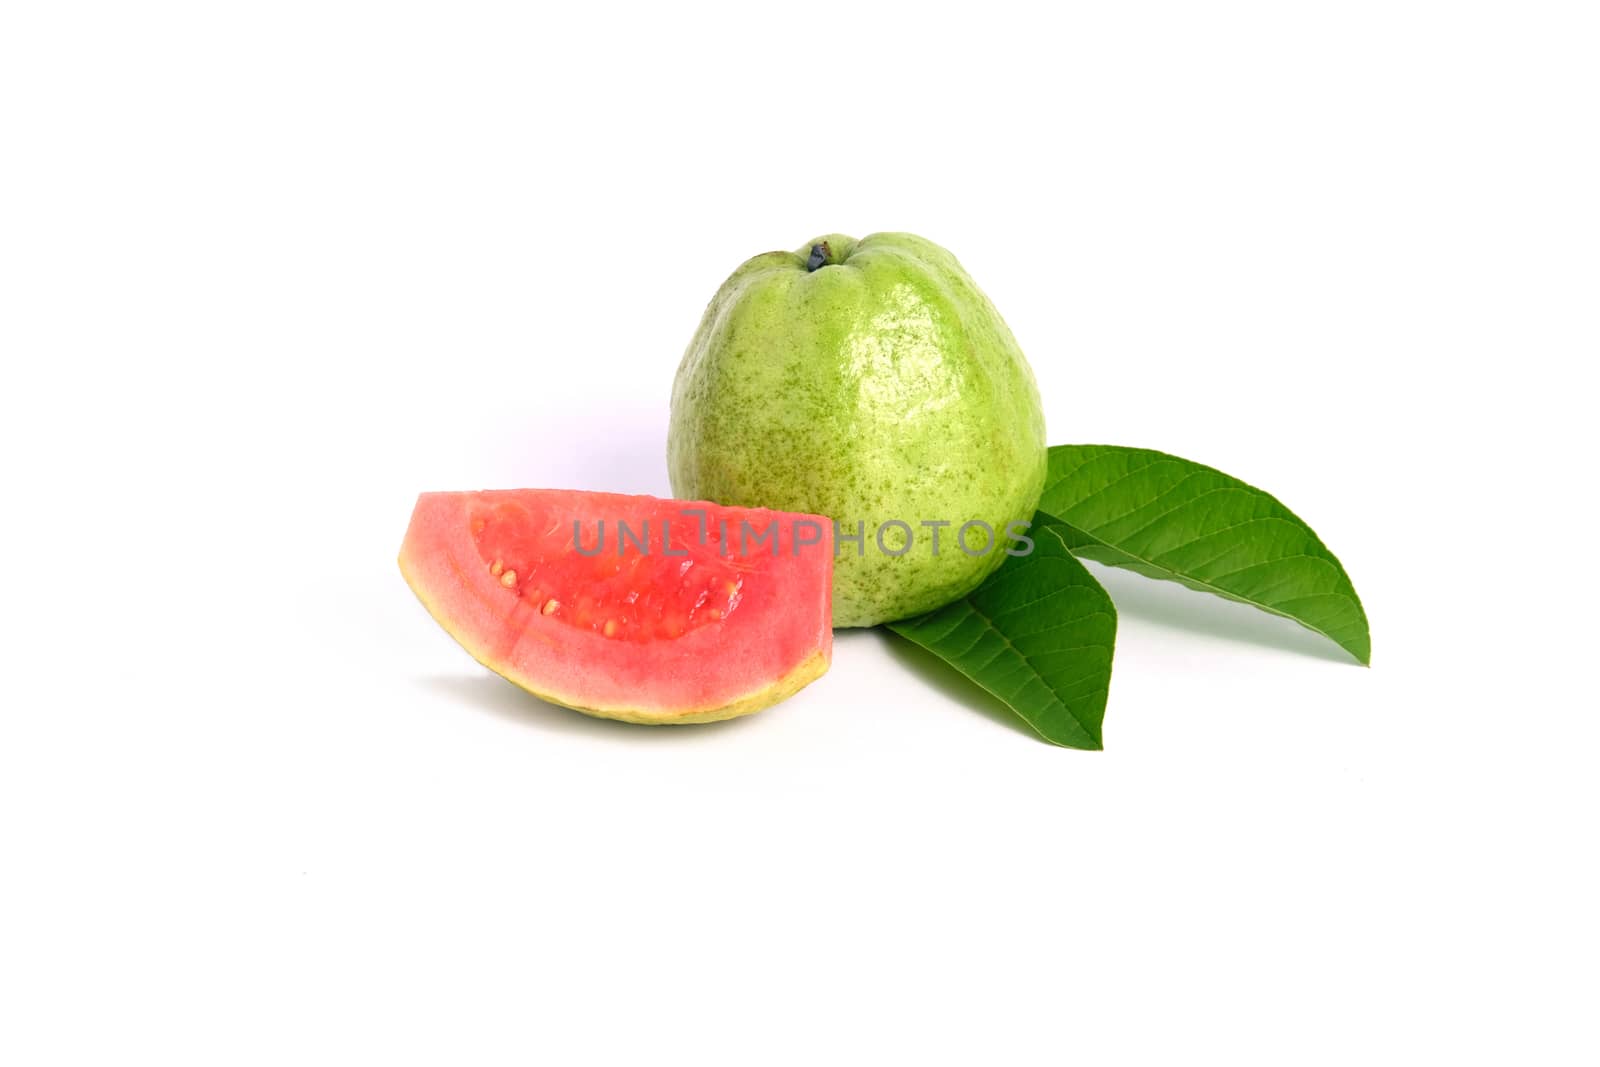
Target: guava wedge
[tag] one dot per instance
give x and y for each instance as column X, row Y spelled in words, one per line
column 628, row 607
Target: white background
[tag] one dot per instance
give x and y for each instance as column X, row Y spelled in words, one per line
column 267, row 271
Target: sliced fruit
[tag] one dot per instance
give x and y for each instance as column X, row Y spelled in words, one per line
column 628, row 607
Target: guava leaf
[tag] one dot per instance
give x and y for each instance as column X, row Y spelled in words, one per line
column 1038, row 634
column 1169, row 518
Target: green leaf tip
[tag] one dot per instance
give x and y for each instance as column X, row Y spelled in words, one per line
column 1170, row 518
column 1039, row 634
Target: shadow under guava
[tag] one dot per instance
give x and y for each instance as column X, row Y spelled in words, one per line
column 493, row 695
column 1165, row 604
column 939, row 675
column 1176, row 607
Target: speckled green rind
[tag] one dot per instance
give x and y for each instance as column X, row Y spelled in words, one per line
column 883, row 385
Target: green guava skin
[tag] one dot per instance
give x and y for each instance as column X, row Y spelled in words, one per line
column 880, row 385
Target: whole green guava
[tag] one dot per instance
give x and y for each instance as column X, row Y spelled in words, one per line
column 872, row 382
